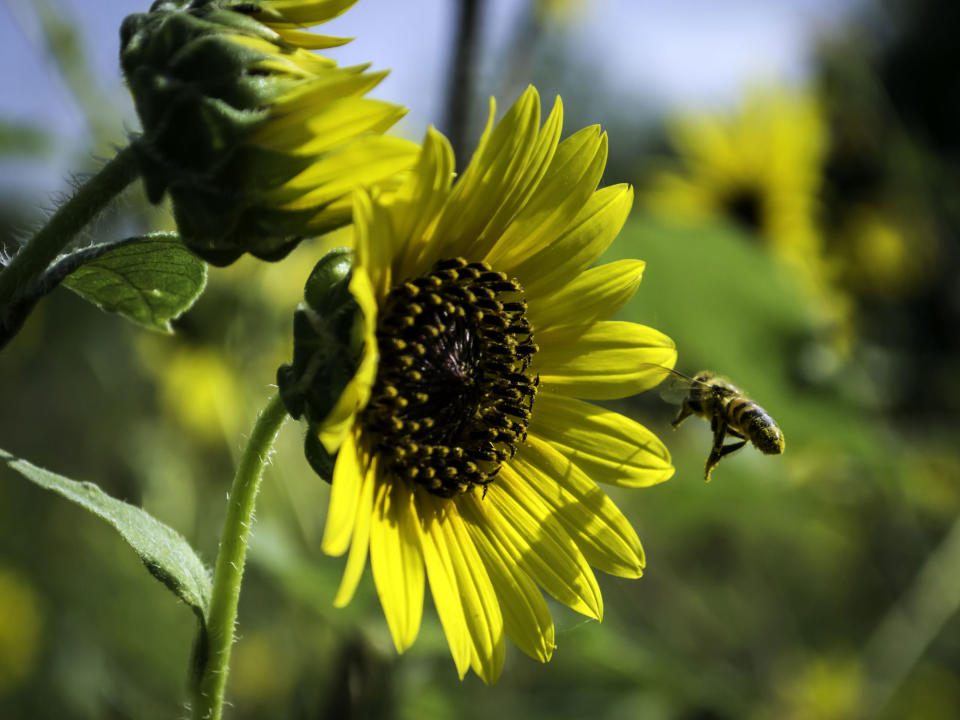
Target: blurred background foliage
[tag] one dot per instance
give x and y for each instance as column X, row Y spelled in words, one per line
column 800, row 238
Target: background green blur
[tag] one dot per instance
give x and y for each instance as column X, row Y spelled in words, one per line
column 801, row 240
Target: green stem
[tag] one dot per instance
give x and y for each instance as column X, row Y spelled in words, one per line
column 912, row 624
column 230, row 560
column 92, row 197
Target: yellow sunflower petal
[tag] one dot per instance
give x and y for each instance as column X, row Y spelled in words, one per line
column 538, row 164
column 595, row 295
column 524, row 183
column 374, row 243
column 420, row 198
column 360, row 543
column 541, row 546
column 488, row 187
column 443, row 585
column 304, row 12
column 344, row 497
column 355, row 395
column 607, row 539
column 332, row 125
column 574, row 173
column 310, row 41
column 480, row 605
column 397, row 562
column 579, row 245
column 607, row 446
column 298, row 104
column 602, row 361
column 526, row 617
column 364, row 161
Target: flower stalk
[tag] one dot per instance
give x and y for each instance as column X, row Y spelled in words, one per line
column 231, row 558
column 90, row 199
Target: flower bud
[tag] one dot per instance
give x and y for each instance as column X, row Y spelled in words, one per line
column 328, row 345
column 258, row 141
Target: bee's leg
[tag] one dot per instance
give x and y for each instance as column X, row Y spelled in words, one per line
column 684, row 413
column 719, row 428
column 732, row 447
column 736, row 433
column 721, row 451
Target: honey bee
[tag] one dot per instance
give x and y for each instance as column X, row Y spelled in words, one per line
column 729, row 411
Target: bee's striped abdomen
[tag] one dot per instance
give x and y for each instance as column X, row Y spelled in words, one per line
column 753, row 422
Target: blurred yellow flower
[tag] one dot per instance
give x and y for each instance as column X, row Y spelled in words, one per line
column 877, row 256
column 826, row 688
column 20, row 627
column 197, row 387
column 465, row 457
column 760, row 167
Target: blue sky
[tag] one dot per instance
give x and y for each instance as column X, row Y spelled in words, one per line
column 671, row 53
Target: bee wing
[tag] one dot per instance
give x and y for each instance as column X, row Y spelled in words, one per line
column 674, row 386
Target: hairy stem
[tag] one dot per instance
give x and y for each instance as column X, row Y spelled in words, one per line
column 35, row 257
column 228, row 575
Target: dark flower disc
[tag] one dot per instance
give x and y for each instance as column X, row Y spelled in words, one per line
column 452, row 398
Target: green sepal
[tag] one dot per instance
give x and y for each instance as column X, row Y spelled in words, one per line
column 149, row 39
column 327, row 341
column 215, row 130
column 255, row 231
column 320, row 460
column 328, row 286
column 217, row 65
column 196, row 50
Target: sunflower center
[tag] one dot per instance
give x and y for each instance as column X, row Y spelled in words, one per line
column 452, row 398
column 745, row 206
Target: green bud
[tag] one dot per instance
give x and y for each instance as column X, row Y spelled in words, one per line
column 257, row 141
column 327, row 341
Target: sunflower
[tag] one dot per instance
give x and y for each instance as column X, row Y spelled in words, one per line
column 465, row 454
column 760, row 167
column 257, row 140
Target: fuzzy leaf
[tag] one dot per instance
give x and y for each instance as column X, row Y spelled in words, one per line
column 164, row 552
column 149, row 280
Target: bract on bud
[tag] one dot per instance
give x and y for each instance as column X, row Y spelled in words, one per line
column 257, row 140
column 328, row 346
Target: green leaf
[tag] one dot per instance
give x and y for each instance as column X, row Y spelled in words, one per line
column 164, row 551
column 149, row 280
